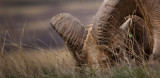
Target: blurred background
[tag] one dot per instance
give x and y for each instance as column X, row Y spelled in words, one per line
column 26, row 23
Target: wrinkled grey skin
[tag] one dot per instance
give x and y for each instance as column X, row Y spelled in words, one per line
column 107, row 37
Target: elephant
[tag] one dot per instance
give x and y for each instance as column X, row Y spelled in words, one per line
column 107, row 38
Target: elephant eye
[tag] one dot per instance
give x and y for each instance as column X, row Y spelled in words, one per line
column 130, row 34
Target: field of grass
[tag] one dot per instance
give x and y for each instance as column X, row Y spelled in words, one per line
column 36, row 64
column 20, row 62
column 59, row 63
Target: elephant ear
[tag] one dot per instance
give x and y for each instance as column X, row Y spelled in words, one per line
column 71, row 30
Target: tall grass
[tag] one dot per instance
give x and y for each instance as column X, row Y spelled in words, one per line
column 35, row 64
column 30, row 63
column 59, row 63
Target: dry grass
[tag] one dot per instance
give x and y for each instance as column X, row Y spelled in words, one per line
column 35, row 64
column 59, row 63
